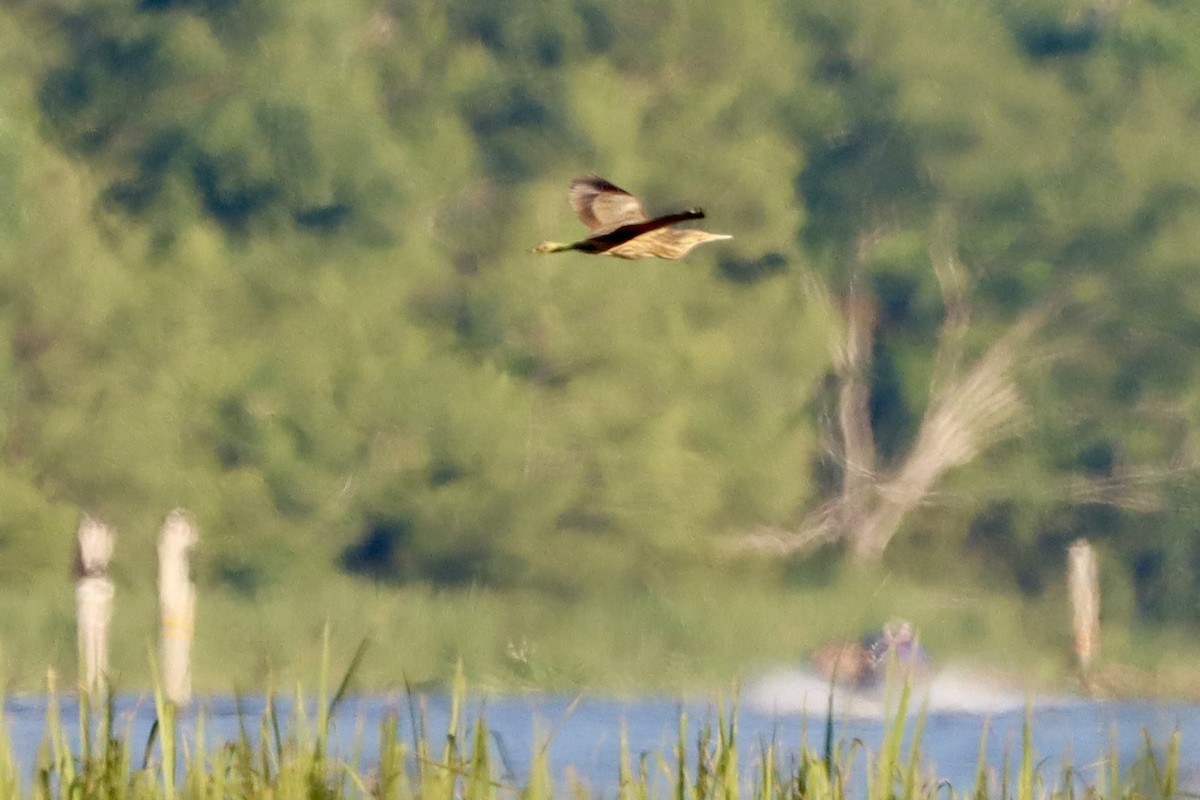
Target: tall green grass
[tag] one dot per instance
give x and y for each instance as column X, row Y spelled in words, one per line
column 294, row 758
column 677, row 637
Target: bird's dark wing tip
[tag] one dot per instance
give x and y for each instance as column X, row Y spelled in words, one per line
column 597, row 184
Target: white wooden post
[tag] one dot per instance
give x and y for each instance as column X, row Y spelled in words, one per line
column 177, row 605
column 93, row 601
column 1083, row 585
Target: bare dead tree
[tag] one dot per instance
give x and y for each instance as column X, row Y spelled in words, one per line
column 971, row 407
column 857, row 439
column 965, row 417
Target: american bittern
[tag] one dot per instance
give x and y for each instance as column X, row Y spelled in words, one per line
column 620, row 227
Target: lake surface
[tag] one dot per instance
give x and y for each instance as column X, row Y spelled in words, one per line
column 787, row 708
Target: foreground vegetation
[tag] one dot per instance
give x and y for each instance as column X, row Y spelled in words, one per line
column 296, row 757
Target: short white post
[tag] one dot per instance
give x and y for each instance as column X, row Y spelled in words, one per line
column 177, row 605
column 1083, row 586
column 93, row 601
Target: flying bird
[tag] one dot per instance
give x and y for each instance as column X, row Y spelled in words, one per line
column 621, row 228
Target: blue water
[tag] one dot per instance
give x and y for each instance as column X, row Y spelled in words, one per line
column 787, row 708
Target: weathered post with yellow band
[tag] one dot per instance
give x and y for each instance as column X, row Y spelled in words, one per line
column 93, row 601
column 177, row 605
column 1083, row 587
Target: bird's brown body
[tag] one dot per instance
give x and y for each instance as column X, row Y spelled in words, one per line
column 621, row 228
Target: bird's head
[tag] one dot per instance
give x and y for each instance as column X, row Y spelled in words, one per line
column 550, row 247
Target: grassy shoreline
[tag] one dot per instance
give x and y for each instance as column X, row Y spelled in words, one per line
column 292, row 755
column 694, row 636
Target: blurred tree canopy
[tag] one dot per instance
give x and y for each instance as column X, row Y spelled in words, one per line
column 268, row 260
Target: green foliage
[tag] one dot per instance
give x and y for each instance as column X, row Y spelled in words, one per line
column 268, row 261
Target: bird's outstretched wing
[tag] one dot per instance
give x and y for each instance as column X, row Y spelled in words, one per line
column 603, row 206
